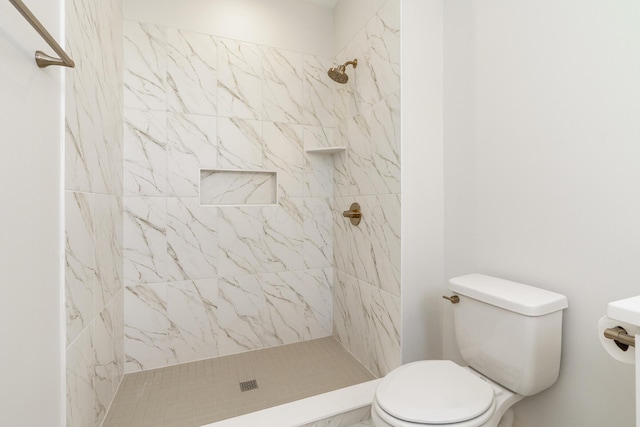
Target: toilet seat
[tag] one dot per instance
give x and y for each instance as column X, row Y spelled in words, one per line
column 434, row 392
column 378, row 414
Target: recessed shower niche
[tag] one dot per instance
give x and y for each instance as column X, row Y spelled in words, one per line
column 223, row 187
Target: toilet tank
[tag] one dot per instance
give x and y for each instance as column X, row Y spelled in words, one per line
column 509, row 332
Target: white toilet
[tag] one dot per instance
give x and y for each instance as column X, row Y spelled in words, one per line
column 510, row 334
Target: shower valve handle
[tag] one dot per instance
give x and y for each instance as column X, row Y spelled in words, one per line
column 353, row 213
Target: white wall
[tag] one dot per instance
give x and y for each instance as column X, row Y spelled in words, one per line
column 286, row 24
column 422, row 179
column 31, row 327
column 542, row 150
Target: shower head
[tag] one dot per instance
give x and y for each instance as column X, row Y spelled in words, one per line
column 338, row 74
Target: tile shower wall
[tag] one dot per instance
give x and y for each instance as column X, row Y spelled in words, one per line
column 206, row 281
column 94, row 293
column 367, row 257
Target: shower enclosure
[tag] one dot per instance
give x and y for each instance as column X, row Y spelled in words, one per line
column 207, row 280
column 192, row 277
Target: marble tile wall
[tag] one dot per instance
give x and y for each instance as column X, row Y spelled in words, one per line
column 94, row 292
column 205, row 281
column 367, row 257
column 225, row 187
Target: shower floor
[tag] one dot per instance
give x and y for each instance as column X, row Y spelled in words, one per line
column 197, row 393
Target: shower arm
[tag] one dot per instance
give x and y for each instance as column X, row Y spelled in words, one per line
column 354, row 63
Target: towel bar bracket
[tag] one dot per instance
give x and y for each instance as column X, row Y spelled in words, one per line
column 42, row 59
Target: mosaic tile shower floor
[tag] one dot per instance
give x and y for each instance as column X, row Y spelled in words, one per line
column 197, row 393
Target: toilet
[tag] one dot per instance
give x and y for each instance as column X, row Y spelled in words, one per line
column 509, row 334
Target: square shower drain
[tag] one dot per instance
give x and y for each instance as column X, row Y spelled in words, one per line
column 248, row 385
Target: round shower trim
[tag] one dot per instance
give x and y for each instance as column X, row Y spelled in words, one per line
column 338, row 74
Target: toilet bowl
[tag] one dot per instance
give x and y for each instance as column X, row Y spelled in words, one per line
column 439, row 393
column 508, row 333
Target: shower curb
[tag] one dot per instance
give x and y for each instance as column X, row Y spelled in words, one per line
column 309, row 410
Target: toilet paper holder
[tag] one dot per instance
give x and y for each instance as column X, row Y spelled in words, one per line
column 620, row 337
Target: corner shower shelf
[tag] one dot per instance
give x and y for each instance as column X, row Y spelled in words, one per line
column 326, row 150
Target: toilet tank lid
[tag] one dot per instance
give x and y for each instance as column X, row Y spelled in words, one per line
column 512, row 296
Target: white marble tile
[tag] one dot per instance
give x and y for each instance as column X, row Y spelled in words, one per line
column 235, row 187
column 384, row 310
column 298, row 305
column 318, row 233
column 318, row 172
column 360, row 261
column 241, row 304
column 191, row 72
column 361, row 79
column 369, row 296
column 145, row 240
column 260, row 240
column 192, row 239
column 108, row 241
column 383, row 35
column 344, row 95
column 318, row 137
column 81, row 130
column 105, row 159
column 191, row 144
column 367, row 323
column 146, row 329
column 284, row 153
column 362, row 172
column 282, row 85
column 240, row 233
column 145, row 48
column 80, row 32
column 117, row 308
column 343, row 242
column 110, row 36
column 383, row 227
column 373, row 161
column 207, row 290
column 343, row 181
column 93, row 110
column 239, row 79
column 191, row 308
column 104, row 362
column 240, row 144
column 80, row 381
column 315, row 286
column 318, row 88
column 350, row 313
column 389, row 15
column 145, row 166
column 111, row 146
column 282, row 239
column 274, row 309
column 80, row 270
column 385, row 142
column 361, row 238
column 282, row 318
